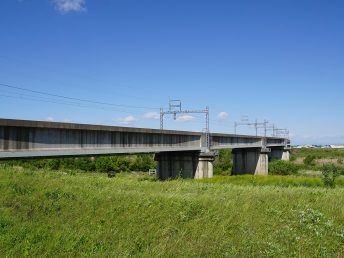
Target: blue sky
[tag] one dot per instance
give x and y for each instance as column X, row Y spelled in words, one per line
column 277, row 60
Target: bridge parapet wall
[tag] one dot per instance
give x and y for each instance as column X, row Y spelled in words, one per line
column 24, row 138
column 234, row 141
column 21, row 139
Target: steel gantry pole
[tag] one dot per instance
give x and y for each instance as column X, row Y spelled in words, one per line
column 207, row 128
column 175, row 108
column 161, row 119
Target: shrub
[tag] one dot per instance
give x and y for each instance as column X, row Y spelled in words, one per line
column 142, row 163
column 223, row 163
column 39, row 163
column 341, row 171
column 125, row 163
column 122, row 163
column 85, row 164
column 340, row 161
column 329, row 174
column 282, row 167
column 52, row 164
column 309, row 160
column 292, row 158
column 68, row 163
column 105, row 164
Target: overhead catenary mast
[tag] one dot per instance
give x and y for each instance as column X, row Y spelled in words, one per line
column 245, row 122
column 276, row 132
column 175, row 108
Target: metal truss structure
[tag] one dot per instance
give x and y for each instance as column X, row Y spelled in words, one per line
column 175, row 108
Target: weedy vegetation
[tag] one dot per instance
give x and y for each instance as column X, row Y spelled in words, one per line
column 282, row 167
column 329, row 174
column 63, row 208
column 57, row 213
column 309, row 160
column 125, row 163
column 318, row 153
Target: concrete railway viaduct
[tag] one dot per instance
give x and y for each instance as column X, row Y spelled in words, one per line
column 178, row 153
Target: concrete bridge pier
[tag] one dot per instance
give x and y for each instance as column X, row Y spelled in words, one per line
column 253, row 161
column 280, row 153
column 173, row 165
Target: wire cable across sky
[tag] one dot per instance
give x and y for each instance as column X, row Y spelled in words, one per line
column 77, row 99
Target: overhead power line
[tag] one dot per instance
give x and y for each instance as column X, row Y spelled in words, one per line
column 40, row 99
column 76, row 99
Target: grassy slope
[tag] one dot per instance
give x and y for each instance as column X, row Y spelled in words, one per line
column 60, row 214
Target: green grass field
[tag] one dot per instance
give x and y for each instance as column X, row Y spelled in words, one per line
column 63, row 213
column 319, row 153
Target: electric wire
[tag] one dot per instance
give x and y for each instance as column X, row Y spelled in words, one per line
column 34, row 98
column 15, row 95
column 77, row 99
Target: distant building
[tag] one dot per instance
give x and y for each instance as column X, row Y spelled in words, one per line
column 337, row 146
column 310, row 146
column 307, row 146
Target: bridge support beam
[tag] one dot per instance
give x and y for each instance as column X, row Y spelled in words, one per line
column 253, row 161
column 172, row 165
column 279, row 154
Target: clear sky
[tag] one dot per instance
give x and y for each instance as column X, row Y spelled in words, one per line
column 277, row 60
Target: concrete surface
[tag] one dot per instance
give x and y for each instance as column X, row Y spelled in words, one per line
column 179, row 153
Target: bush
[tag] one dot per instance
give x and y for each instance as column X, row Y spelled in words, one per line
column 106, row 164
column 68, row 163
column 341, row 171
column 142, row 163
column 282, row 167
column 84, row 164
column 330, row 172
column 223, row 163
column 292, row 158
column 309, row 160
column 52, row 164
column 125, row 163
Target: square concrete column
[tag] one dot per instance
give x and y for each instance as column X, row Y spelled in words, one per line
column 263, row 163
column 205, row 167
column 172, row 165
column 286, row 155
column 252, row 161
column 280, row 153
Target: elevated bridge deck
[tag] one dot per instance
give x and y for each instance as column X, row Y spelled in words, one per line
column 26, row 139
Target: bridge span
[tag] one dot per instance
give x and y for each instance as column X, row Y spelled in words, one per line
column 178, row 153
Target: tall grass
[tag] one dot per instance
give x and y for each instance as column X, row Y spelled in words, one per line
column 312, row 159
column 318, row 153
column 278, row 181
column 49, row 214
